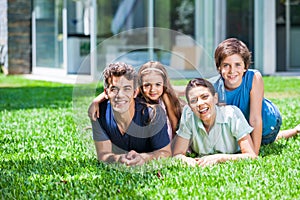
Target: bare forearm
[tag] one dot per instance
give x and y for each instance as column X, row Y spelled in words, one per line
column 227, row 157
column 99, row 98
column 109, row 157
column 155, row 155
column 220, row 158
column 256, row 135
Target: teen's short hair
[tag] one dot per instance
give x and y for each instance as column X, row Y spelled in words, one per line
column 232, row 46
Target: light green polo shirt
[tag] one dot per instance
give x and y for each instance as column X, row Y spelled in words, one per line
column 230, row 126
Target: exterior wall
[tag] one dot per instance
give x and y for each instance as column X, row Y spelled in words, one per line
column 3, row 36
column 265, row 36
column 269, row 37
column 19, row 36
column 20, row 44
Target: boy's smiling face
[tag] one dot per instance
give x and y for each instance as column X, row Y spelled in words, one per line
column 232, row 69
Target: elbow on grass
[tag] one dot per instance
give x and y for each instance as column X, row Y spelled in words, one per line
column 253, row 155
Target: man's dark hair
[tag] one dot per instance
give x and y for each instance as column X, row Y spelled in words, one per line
column 119, row 69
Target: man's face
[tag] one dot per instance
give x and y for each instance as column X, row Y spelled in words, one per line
column 120, row 93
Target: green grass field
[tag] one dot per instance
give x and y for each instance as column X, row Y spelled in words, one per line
column 47, row 152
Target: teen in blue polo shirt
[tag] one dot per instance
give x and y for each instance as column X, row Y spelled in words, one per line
column 128, row 131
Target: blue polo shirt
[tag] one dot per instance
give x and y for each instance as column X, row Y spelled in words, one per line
column 144, row 134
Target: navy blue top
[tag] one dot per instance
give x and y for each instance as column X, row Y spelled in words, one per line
column 141, row 136
column 240, row 97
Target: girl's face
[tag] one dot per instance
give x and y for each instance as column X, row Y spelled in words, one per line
column 232, row 69
column 153, row 85
column 202, row 103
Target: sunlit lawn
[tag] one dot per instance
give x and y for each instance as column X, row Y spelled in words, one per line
column 47, row 152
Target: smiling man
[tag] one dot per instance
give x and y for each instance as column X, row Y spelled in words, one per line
column 128, row 131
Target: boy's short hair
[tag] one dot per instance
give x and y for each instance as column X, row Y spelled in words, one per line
column 119, row 69
column 230, row 47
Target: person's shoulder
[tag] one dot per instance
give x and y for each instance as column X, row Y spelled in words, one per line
column 140, row 104
column 187, row 112
column 225, row 107
column 142, row 109
column 228, row 111
column 104, row 103
column 254, row 77
column 186, row 108
column 252, row 72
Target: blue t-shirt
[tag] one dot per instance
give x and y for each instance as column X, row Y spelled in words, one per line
column 144, row 134
column 240, row 97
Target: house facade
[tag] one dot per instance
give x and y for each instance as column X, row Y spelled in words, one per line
column 67, row 37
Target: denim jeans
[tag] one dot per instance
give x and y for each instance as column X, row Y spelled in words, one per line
column 267, row 139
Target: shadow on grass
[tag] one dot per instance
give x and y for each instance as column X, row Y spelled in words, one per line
column 57, row 174
column 39, row 97
column 274, row 148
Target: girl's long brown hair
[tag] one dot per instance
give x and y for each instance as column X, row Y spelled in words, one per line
column 155, row 66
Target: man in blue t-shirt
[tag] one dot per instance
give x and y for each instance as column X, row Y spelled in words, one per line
column 128, row 131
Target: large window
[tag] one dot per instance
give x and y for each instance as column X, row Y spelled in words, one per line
column 119, row 16
column 240, row 21
column 48, row 15
column 288, row 31
column 182, row 16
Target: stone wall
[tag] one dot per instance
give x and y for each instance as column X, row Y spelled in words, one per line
column 3, row 35
column 19, row 36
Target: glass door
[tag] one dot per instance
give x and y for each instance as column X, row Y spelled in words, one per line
column 294, row 38
column 78, row 34
column 48, row 33
column 288, row 35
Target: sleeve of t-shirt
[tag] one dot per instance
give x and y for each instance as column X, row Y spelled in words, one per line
column 185, row 130
column 239, row 125
column 98, row 133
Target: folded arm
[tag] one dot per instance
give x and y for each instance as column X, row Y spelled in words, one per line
column 247, row 150
column 93, row 111
column 179, row 151
column 104, row 152
column 134, row 158
column 255, row 118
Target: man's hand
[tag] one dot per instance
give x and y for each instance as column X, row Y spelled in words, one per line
column 132, row 158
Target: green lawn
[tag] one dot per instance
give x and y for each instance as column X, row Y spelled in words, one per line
column 47, row 152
